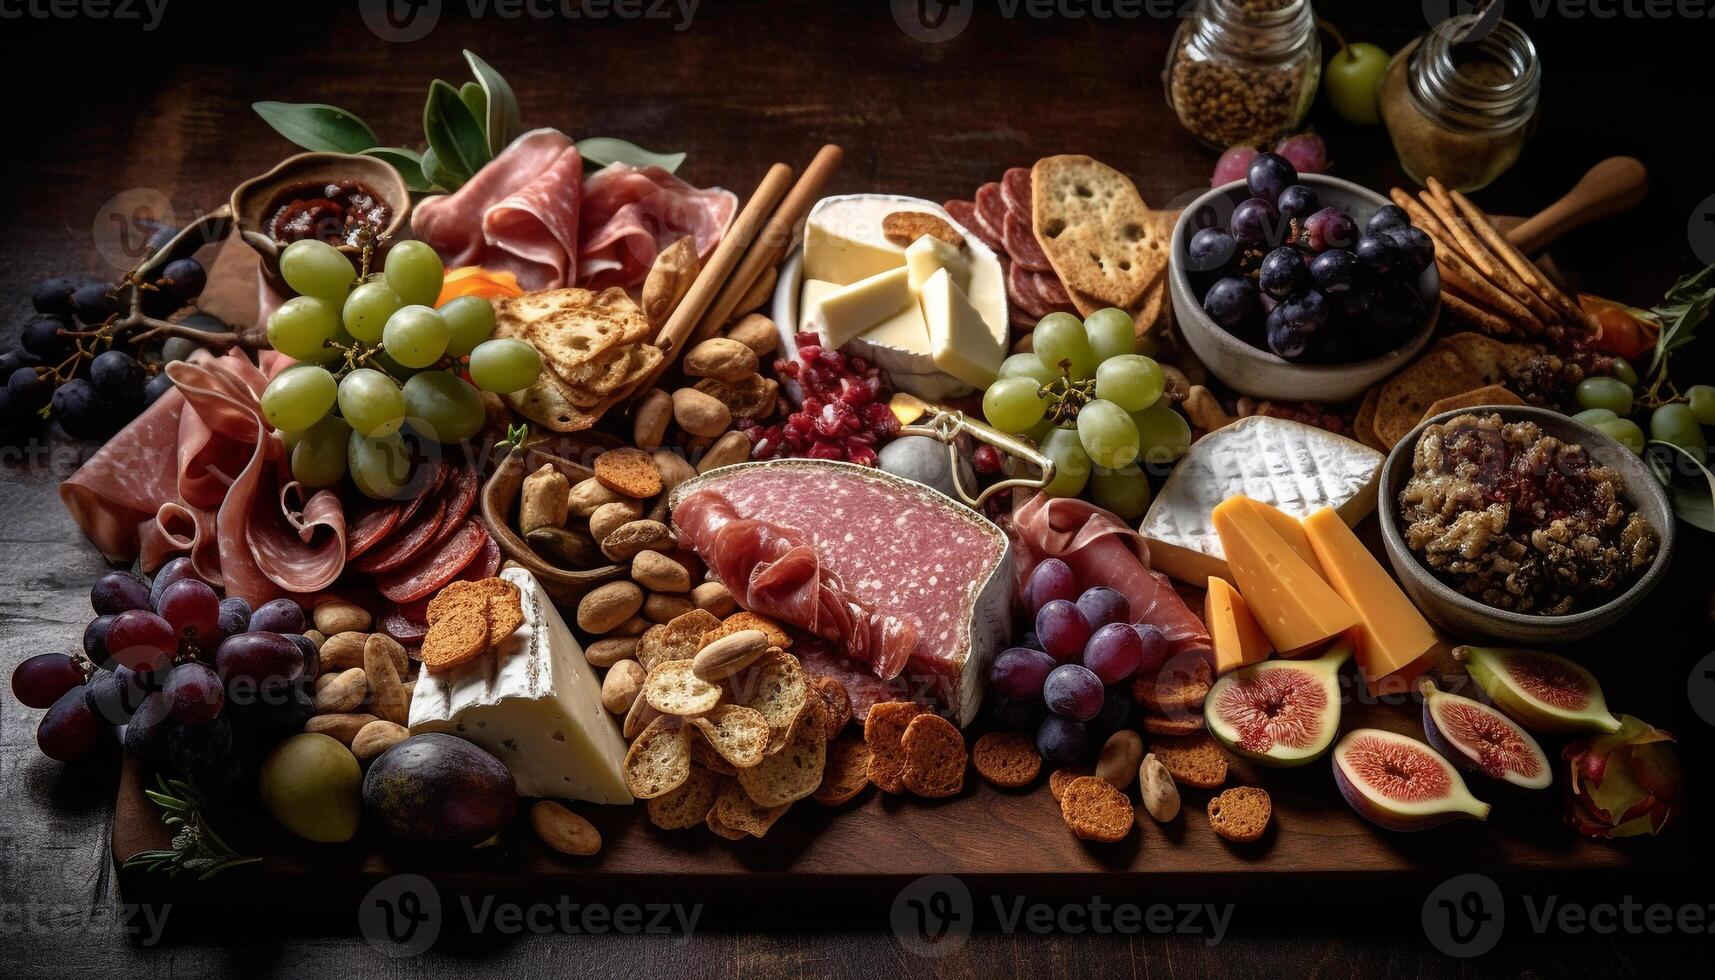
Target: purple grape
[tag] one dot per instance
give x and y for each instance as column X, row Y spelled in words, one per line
column 1298, row 201
column 1102, row 605
column 70, row 729
column 1387, row 216
column 95, row 640
column 146, row 732
column 1268, row 175
column 142, row 640
column 1355, row 305
column 1050, row 580
column 193, row 610
column 1029, row 640
column 1117, row 711
column 1282, row 274
column 1154, row 652
column 261, row 658
column 1255, row 222
column 1336, row 271
column 1419, row 248
column 1230, row 301
column 1018, row 714
column 278, row 616
column 1210, row 249
column 39, row 681
column 194, row 693
column 1061, row 741
column 1062, row 629
column 1305, row 151
column 307, row 647
column 1073, row 691
column 1114, row 653
column 1378, row 255
column 275, row 710
column 234, row 616
column 173, row 571
column 115, row 695
column 1018, row 672
column 1330, row 228
column 117, row 592
column 1294, row 324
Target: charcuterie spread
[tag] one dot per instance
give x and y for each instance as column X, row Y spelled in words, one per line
column 548, row 474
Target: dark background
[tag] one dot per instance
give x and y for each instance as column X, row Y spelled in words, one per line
column 100, row 106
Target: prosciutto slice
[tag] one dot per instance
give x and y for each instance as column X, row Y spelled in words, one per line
column 200, row 473
column 631, row 214
column 1102, row 550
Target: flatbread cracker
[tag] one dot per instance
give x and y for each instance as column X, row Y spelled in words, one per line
column 1095, row 229
column 1432, row 377
column 1486, row 395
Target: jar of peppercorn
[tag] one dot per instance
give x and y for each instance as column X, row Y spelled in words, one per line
column 1243, row 71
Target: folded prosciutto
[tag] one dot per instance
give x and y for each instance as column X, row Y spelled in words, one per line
column 1102, row 550
column 201, row 473
column 531, row 212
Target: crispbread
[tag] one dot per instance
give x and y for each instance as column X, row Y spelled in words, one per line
column 845, row 773
column 671, row 688
column 659, row 761
column 677, row 639
column 790, row 774
column 1095, row 229
column 1182, row 722
column 687, row 806
column 883, row 728
column 835, row 700
column 570, row 327
column 738, row 734
column 1007, row 759
column 735, row 810
column 1194, row 760
column 1487, row 395
column 1438, row 374
column 935, row 756
column 1059, row 779
column 1241, row 814
column 1095, row 811
column 1178, row 687
column 454, row 640
column 777, row 635
column 628, row 471
column 774, row 685
column 1494, row 361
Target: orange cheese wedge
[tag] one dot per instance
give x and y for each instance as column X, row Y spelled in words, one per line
column 1288, row 528
column 1394, row 643
column 1286, row 594
column 1238, row 640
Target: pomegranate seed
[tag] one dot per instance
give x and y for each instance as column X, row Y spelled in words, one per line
column 862, row 455
column 807, row 339
column 986, row 459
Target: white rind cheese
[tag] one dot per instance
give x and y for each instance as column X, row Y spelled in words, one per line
column 533, row 703
column 1296, row 468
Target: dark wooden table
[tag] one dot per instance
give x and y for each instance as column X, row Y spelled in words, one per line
column 108, row 115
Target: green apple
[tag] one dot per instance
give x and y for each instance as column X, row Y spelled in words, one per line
column 1353, row 80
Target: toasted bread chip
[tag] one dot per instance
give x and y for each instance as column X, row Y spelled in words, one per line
column 737, row 811
column 1179, row 686
column 883, row 728
column 505, row 610
column 1095, row 228
column 672, row 689
column 1192, row 760
column 1059, row 779
column 687, row 806
column 790, row 774
column 845, row 774
column 739, row 735
column 563, row 830
column 704, row 754
column 935, row 757
column 1095, row 810
column 837, row 702
column 904, row 227
column 1241, row 814
column 659, row 761
column 638, row 718
column 713, row 820
column 774, row 685
column 1174, row 723
column 628, row 471
column 1007, row 759
column 777, row 635
column 454, row 640
column 670, row 641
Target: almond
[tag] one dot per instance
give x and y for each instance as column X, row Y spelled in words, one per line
column 1155, row 785
column 387, row 694
column 563, row 830
column 343, row 727
column 316, row 637
column 722, row 359
column 715, row 598
column 658, row 573
column 589, row 494
column 674, row 469
column 621, row 685
column 605, row 653
column 611, row 517
column 345, row 693
column 377, row 737
column 700, row 414
column 342, row 651
column 607, row 606
column 624, row 543
column 660, row 608
column 1120, row 758
column 729, row 654
column 756, row 332
column 650, row 419
column 733, row 447
column 339, row 616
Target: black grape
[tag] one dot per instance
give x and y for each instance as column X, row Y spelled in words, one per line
column 118, row 377
column 81, row 412
column 93, row 303
column 53, row 296
column 43, row 339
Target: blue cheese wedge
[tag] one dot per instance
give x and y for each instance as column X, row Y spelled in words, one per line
column 1296, row 468
column 534, row 703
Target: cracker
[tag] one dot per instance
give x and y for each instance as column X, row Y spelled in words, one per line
column 570, row 327
column 1007, row 759
column 628, row 471
column 1241, row 814
column 739, row 735
column 775, row 686
column 735, row 810
column 671, row 688
column 1173, row 723
column 505, row 610
column 1487, row 395
column 705, row 755
column 454, row 640
column 659, row 761
column 1364, row 423
column 935, row 757
column 845, row 773
column 1179, row 686
column 837, row 702
column 790, row 774
column 883, row 728
column 1059, row 779
column 677, row 639
column 1095, row 811
column 1192, row 760
column 1095, row 228
column 713, row 822
column 904, row 227
column 551, row 402
column 688, row 805
column 1493, row 360
column 1470, row 313
column 1438, row 374
column 777, row 635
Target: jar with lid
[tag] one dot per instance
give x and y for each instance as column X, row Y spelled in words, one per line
column 1459, row 107
column 1243, row 71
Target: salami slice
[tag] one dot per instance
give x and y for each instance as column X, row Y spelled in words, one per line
column 965, row 213
column 371, row 527
column 407, row 632
column 405, row 543
column 460, row 491
column 1021, row 242
column 1028, row 291
column 991, row 212
column 1015, row 187
column 408, row 622
column 430, row 491
column 435, row 567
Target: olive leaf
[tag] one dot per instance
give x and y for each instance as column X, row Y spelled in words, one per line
column 323, row 128
column 603, row 150
column 409, row 163
column 436, row 174
column 454, row 134
column 1693, row 499
column 472, row 95
column 1681, row 312
column 502, row 121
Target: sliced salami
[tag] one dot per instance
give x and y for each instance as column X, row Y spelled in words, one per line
column 460, row 492
column 431, row 491
column 1036, row 293
column 406, row 631
column 1021, row 242
column 406, row 542
column 991, row 212
column 965, row 213
column 371, row 527
column 1015, row 186
column 435, row 567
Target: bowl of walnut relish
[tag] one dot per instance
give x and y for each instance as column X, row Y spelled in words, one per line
column 1522, row 524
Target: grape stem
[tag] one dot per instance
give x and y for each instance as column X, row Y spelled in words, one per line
column 1334, row 32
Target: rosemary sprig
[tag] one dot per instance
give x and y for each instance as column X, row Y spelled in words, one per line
column 1680, row 313
column 196, row 847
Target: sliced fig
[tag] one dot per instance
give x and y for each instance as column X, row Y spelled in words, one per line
column 1397, row 782
column 1279, row 712
column 1542, row 691
column 1482, row 741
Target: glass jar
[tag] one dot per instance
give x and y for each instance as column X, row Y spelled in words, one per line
column 1460, row 109
column 1243, row 71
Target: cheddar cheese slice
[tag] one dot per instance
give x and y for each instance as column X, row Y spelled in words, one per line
column 1394, row 642
column 1288, row 528
column 1238, row 640
column 1288, row 597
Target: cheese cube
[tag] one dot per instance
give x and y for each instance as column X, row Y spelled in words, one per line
column 1291, row 602
column 852, row 310
column 960, row 343
column 1394, row 642
column 534, row 703
column 927, row 254
column 1238, row 640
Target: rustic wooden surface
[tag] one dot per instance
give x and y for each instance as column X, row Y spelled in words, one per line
column 107, row 108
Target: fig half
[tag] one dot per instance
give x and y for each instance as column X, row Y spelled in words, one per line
column 1396, row 782
column 1482, row 741
column 1279, row 712
column 1542, row 691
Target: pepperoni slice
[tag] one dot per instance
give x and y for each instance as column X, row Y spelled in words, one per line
column 461, row 490
column 1021, row 242
column 404, row 545
column 403, row 629
column 1015, row 186
column 435, row 568
column 430, row 491
column 409, row 621
column 371, row 527
column 991, row 212
column 965, row 213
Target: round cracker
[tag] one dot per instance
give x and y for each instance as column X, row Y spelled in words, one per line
column 882, row 729
column 1241, row 814
column 739, row 735
column 775, row 686
column 935, row 757
column 671, row 688
column 1095, row 811
column 1007, row 759
column 1192, row 760
column 790, row 774
column 845, row 773
column 659, row 761
column 688, row 805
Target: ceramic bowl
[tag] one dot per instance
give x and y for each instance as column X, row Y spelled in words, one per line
column 252, row 200
column 1260, row 373
column 1468, row 618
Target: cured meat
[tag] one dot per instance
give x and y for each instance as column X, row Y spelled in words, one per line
column 1015, row 187
column 461, row 489
column 372, row 527
column 866, row 562
column 201, row 473
column 434, row 567
column 428, row 491
column 1036, row 293
column 1021, row 242
column 406, row 543
column 1102, row 550
column 518, row 214
column 991, row 212
column 631, row 214
column 404, row 630
column 965, row 213
column 821, row 659
column 408, row 622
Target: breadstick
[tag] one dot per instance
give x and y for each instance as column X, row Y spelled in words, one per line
column 1470, row 313
column 1472, row 247
column 1419, row 215
column 1522, row 265
column 1456, row 274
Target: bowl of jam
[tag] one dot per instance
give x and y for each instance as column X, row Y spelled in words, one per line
column 354, row 203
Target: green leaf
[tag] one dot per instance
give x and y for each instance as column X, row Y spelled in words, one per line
column 453, row 133
column 502, row 123
column 603, row 150
column 409, row 163
column 312, row 126
column 1682, row 311
column 437, row 174
column 472, row 95
column 1693, row 499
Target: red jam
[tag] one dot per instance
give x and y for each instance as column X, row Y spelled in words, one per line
column 344, row 212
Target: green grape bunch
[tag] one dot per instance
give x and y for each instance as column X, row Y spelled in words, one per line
column 377, row 355
column 1094, row 405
